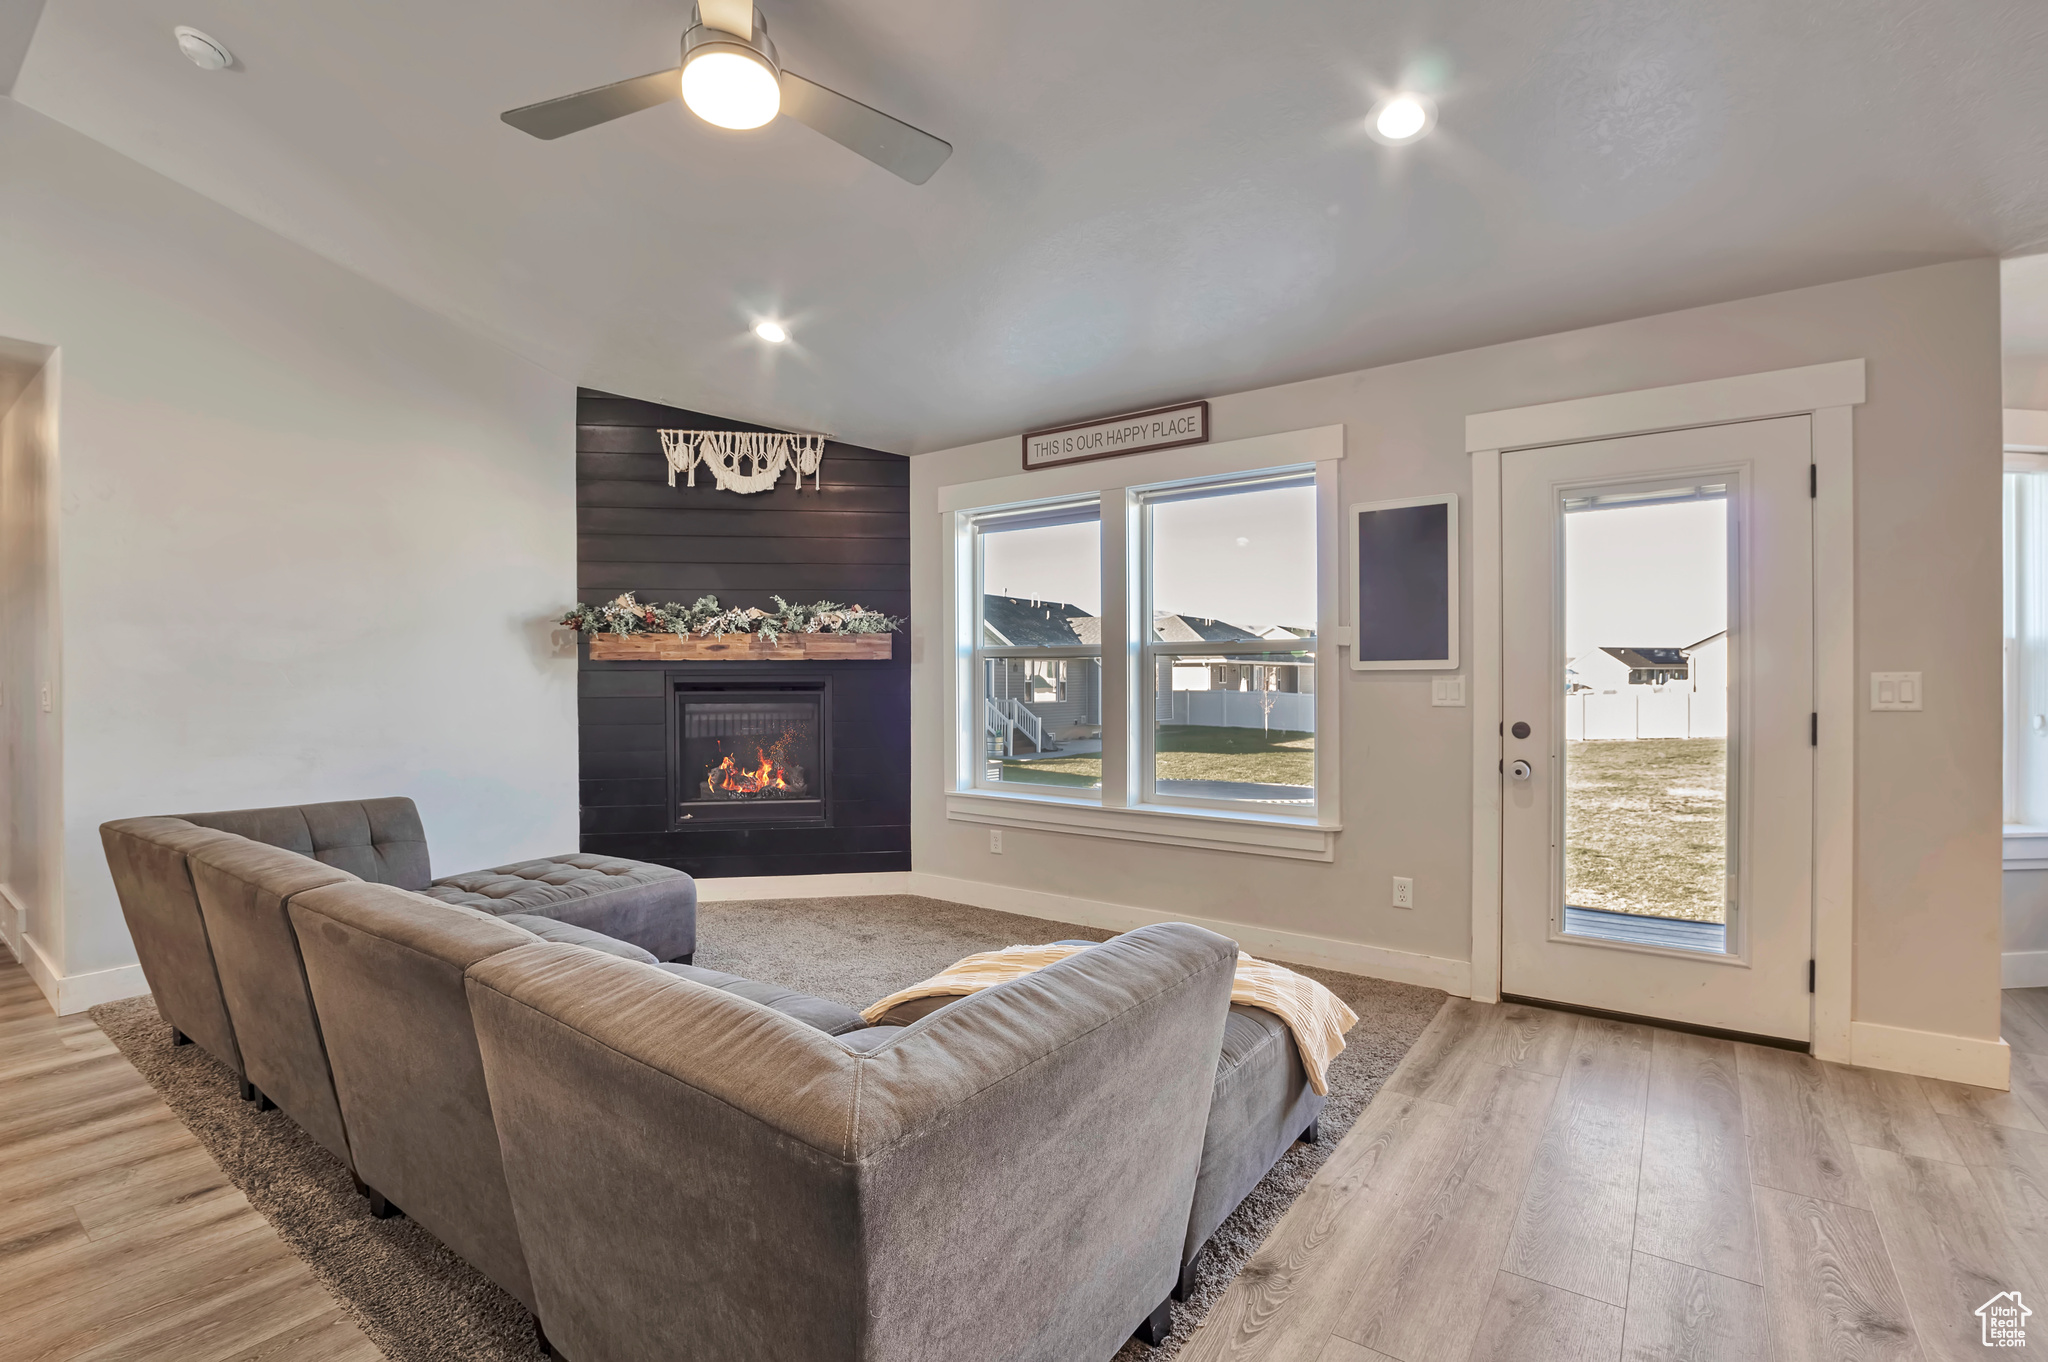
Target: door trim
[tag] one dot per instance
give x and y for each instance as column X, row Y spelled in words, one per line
column 1829, row 393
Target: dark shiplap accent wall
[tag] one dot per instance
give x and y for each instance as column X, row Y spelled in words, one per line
column 848, row 542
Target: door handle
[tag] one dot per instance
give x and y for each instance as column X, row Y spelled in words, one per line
column 1521, row 770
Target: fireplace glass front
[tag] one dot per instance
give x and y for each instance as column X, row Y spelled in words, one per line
column 748, row 756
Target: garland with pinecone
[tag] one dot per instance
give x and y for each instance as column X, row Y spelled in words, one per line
column 707, row 618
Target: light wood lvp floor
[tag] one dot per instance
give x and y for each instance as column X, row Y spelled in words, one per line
column 1534, row 1186
column 119, row 1236
column 1531, row 1185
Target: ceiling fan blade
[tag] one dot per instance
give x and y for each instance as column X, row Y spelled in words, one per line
column 554, row 118
column 890, row 143
column 729, row 16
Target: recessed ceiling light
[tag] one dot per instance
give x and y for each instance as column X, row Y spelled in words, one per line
column 773, row 332
column 1400, row 119
column 208, row 54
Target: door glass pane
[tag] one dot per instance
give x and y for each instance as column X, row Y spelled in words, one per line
column 1646, row 703
column 1041, row 718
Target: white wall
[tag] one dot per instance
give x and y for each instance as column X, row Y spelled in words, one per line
column 31, row 776
column 1927, row 452
column 309, row 540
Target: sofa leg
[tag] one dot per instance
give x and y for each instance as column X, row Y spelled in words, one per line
column 179, row 1037
column 380, row 1207
column 263, row 1102
column 248, row 1090
column 547, row 1348
column 1185, row 1287
column 1158, row 1325
column 362, row 1188
column 1314, row 1133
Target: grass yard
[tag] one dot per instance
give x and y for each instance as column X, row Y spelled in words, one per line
column 1646, row 827
column 1194, row 752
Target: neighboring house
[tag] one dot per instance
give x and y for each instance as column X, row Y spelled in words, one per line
column 1243, row 672
column 1064, row 693
column 1621, row 693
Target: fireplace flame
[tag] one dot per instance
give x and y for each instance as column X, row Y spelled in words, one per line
column 767, row 775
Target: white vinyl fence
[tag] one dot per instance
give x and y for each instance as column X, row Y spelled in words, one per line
column 1646, row 713
column 1238, row 709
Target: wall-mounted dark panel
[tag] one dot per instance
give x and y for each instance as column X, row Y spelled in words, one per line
column 847, row 540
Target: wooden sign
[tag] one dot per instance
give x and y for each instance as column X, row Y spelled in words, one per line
column 1134, row 433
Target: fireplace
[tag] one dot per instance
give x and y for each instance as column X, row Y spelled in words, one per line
column 750, row 752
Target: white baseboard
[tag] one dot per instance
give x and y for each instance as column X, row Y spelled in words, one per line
column 2024, row 969
column 13, row 923
column 732, row 887
column 1931, row 1054
column 71, row 993
column 1299, row 948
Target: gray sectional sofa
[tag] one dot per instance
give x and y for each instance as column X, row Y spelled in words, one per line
column 1260, row 1105
column 518, row 1060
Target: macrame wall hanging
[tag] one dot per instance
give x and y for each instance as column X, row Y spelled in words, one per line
column 742, row 460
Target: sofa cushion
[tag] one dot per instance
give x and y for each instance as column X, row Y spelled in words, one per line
column 386, row 972
column 1261, row 1104
column 867, row 1039
column 379, row 840
column 829, row 1017
column 245, row 889
column 147, row 859
column 651, row 906
column 547, row 929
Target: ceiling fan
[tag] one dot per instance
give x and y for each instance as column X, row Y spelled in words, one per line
column 730, row 77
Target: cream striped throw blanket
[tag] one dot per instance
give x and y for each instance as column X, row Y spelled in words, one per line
column 1317, row 1017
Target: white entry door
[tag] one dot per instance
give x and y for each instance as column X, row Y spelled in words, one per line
column 1658, row 725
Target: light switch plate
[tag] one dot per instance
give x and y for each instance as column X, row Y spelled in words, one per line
column 1895, row 690
column 1447, row 690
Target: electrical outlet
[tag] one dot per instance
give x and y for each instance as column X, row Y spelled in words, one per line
column 995, row 841
column 1404, row 892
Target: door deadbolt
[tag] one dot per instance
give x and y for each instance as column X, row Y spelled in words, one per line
column 1521, row 770
column 1520, row 730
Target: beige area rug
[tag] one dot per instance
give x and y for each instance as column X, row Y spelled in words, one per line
column 420, row 1303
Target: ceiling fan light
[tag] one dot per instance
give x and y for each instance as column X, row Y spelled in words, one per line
column 729, row 87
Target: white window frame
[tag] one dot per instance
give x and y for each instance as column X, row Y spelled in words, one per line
column 2025, row 842
column 1147, row 719
column 984, row 653
column 1123, row 810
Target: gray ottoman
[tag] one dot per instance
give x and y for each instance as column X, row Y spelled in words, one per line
column 651, row 906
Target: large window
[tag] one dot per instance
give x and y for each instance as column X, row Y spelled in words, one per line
column 1150, row 648
column 1037, row 596
column 1230, row 589
column 2026, row 642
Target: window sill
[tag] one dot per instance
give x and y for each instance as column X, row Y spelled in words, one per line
column 1298, row 839
column 2026, row 847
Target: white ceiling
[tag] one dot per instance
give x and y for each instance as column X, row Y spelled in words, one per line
column 1148, row 200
